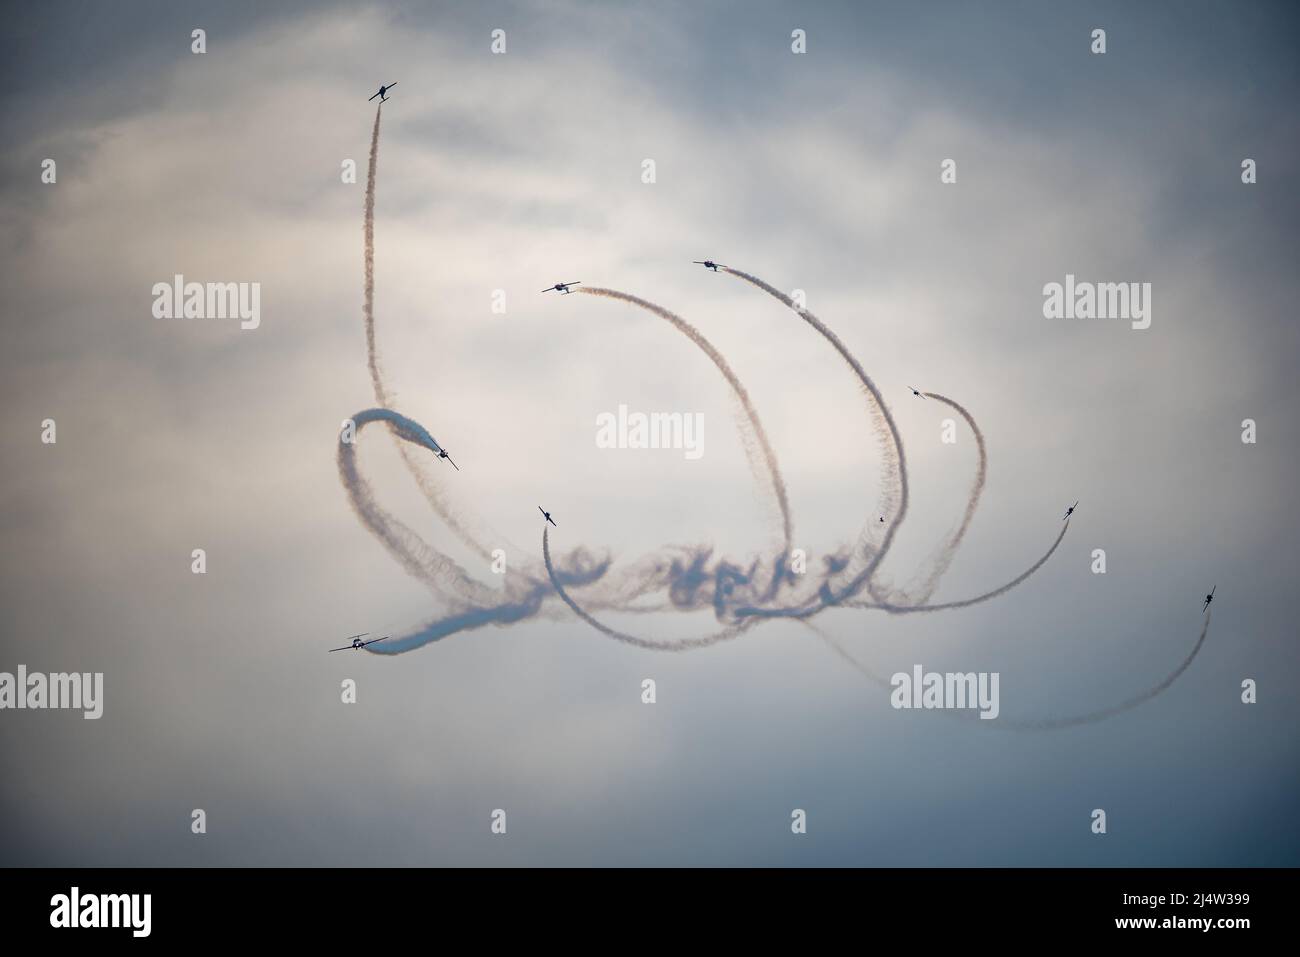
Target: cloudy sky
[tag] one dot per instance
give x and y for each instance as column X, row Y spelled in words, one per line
column 508, row 172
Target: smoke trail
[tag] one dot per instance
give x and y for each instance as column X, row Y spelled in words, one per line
column 892, row 443
column 686, row 578
column 368, row 297
column 1046, row 724
column 526, row 605
column 473, row 604
column 967, row 602
column 676, row 644
column 428, row 485
column 865, row 576
column 754, row 436
column 426, row 563
column 949, row 550
column 1053, row 724
column 879, row 680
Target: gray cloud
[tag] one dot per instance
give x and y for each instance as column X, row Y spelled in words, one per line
column 817, row 172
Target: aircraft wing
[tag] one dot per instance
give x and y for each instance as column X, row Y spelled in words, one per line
column 350, row 637
column 372, row 641
column 372, row 98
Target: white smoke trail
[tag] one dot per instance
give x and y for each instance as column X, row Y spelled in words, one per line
column 448, row 579
column 754, row 436
column 368, row 290
column 429, row 486
column 948, row 550
column 891, row 443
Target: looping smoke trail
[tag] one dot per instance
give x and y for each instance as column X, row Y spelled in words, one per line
column 685, row 580
column 754, row 436
column 424, row 562
column 688, row 579
column 895, row 459
column 677, row 644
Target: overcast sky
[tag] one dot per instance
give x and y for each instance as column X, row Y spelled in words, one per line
column 817, row 171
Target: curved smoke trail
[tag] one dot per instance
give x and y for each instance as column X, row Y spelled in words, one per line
column 429, row 487
column 684, row 578
column 864, row 578
column 949, row 550
column 1052, row 724
column 1047, row 724
column 672, row 644
column 892, row 443
column 967, row 602
column 424, row 562
column 688, row 578
column 753, row 435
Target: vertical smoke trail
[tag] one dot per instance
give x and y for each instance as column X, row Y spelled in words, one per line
column 949, row 550
column 754, row 436
column 368, row 293
column 428, row 486
column 892, row 442
column 675, row 644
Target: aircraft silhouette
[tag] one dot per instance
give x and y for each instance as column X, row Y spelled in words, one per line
column 1070, row 511
column 383, row 90
column 1210, row 597
column 443, row 455
column 357, row 643
column 706, row 263
column 548, row 515
column 561, row 286
column 915, row 393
